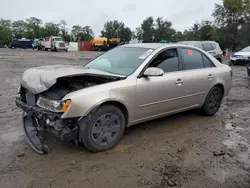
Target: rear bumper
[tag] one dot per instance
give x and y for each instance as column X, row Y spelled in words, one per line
column 61, row 48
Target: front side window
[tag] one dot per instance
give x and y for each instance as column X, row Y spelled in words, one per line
column 120, row 60
column 167, row 60
column 191, row 59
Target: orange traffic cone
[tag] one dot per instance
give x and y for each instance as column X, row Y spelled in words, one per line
column 226, row 52
column 73, row 54
column 21, row 54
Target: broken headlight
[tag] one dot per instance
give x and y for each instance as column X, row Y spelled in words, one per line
column 53, row 105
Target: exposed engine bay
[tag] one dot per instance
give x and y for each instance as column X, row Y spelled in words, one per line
column 36, row 119
column 67, row 85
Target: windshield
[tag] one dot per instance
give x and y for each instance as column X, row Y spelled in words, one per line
column 247, row 49
column 57, row 39
column 121, row 60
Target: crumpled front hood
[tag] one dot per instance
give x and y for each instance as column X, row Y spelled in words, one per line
column 247, row 54
column 39, row 79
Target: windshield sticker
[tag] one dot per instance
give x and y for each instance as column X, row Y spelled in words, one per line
column 146, row 54
column 190, row 53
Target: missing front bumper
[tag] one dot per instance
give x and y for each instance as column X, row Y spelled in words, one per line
column 33, row 134
column 36, row 121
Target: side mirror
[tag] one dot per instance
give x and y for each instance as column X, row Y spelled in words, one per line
column 152, row 71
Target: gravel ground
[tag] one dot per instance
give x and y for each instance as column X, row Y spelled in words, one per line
column 184, row 150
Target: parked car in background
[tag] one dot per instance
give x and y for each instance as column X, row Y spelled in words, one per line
column 3, row 46
column 129, row 84
column 241, row 57
column 211, row 47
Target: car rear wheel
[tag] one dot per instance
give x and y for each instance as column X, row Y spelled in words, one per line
column 104, row 129
column 213, row 101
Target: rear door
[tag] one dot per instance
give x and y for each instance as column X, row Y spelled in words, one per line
column 197, row 76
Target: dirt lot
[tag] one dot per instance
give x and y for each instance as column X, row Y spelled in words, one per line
column 172, row 151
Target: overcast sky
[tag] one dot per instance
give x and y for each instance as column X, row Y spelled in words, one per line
column 182, row 13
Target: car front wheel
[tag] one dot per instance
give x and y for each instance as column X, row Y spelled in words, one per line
column 213, row 101
column 104, row 129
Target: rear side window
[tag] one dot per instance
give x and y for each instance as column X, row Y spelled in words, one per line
column 207, row 47
column 207, row 62
column 192, row 59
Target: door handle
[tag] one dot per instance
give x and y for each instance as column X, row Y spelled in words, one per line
column 209, row 76
column 179, row 81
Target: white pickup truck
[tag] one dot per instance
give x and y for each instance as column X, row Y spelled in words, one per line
column 54, row 43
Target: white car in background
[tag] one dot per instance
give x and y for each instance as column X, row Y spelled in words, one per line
column 241, row 57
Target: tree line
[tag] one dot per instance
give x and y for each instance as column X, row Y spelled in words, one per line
column 229, row 28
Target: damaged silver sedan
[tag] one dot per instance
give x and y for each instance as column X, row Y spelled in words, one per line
column 93, row 104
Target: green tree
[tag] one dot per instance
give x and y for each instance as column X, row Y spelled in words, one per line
column 231, row 15
column 50, row 28
column 19, row 28
column 33, row 27
column 138, row 33
column 163, row 30
column 111, row 29
column 5, row 32
column 5, row 23
column 63, row 28
column 82, row 33
column 116, row 29
column 148, row 30
column 178, row 36
column 124, row 33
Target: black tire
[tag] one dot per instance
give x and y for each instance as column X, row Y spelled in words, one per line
column 89, row 138
column 220, row 60
column 231, row 63
column 213, row 101
column 46, row 49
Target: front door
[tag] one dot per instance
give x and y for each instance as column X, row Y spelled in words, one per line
column 160, row 95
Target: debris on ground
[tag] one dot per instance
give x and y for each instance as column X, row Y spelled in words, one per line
column 218, row 153
column 171, row 183
column 20, row 154
column 72, row 162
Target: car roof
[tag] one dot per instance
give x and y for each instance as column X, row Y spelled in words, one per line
column 152, row 45
column 195, row 42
